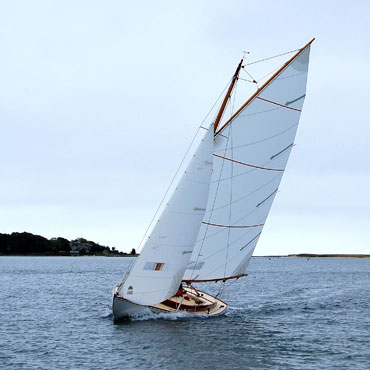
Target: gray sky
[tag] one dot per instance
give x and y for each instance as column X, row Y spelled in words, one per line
column 100, row 99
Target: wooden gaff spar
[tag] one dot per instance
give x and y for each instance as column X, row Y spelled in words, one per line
column 213, row 220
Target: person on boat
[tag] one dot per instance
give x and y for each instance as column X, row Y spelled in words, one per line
column 180, row 291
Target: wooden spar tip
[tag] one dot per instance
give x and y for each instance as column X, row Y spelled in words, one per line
column 238, row 69
column 264, row 85
column 215, row 280
column 227, row 96
column 311, row 41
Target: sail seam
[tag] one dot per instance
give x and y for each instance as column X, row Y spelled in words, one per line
column 223, row 229
column 187, row 213
column 232, row 226
column 223, row 248
column 295, row 75
column 248, row 195
column 240, row 219
column 232, row 243
column 280, row 105
column 220, row 266
column 260, row 141
column 247, row 164
column 295, row 100
column 257, row 113
column 282, row 151
column 176, row 245
column 267, row 198
column 251, row 241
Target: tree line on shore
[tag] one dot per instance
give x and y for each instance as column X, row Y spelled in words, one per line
column 30, row 244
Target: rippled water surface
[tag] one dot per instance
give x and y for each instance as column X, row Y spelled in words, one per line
column 55, row 313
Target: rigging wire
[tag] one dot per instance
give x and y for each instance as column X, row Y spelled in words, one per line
column 263, row 60
column 253, row 79
column 268, row 74
column 244, row 79
column 221, row 291
column 223, row 286
column 260, row 79
column 274, row 56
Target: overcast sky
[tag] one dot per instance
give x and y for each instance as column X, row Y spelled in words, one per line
column 100, row 99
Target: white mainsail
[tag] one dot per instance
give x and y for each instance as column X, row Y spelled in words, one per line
column 250, row 155
column 158, row 271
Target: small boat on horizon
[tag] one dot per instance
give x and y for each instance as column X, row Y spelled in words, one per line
column 211, row 223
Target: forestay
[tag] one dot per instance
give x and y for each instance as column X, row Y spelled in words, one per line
column 250, row 156
column 158, row 271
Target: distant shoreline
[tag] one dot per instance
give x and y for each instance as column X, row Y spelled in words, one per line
column 66, row 255
column 310, row 255
column 302, row 255
column 27, row 244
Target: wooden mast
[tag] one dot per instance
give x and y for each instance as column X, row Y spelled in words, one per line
column 228, row 94
column 263, row 86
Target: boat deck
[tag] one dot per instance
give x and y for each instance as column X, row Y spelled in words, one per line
column 193, row 301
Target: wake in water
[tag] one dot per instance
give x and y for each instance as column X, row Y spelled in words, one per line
column 153, row 316
column 107, row 313
column 150, row 315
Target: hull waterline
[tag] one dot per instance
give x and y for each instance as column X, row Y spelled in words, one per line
column 193, row 302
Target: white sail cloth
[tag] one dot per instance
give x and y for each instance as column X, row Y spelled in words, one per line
column 250, row 156
column 158, row 271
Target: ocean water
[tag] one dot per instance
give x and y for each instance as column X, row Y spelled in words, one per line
column 55, row 313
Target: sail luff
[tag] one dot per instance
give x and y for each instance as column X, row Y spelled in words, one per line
column 264, row 85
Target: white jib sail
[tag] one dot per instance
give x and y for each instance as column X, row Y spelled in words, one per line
column 250, row 156
column 158, row 271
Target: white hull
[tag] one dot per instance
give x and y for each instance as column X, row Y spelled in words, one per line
column 209, row 305
column 123, row 308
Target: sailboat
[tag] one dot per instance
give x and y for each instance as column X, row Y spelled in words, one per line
column 212, row 221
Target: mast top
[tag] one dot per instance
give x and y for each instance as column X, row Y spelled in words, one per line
column 227, row 96
column 264, row 85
